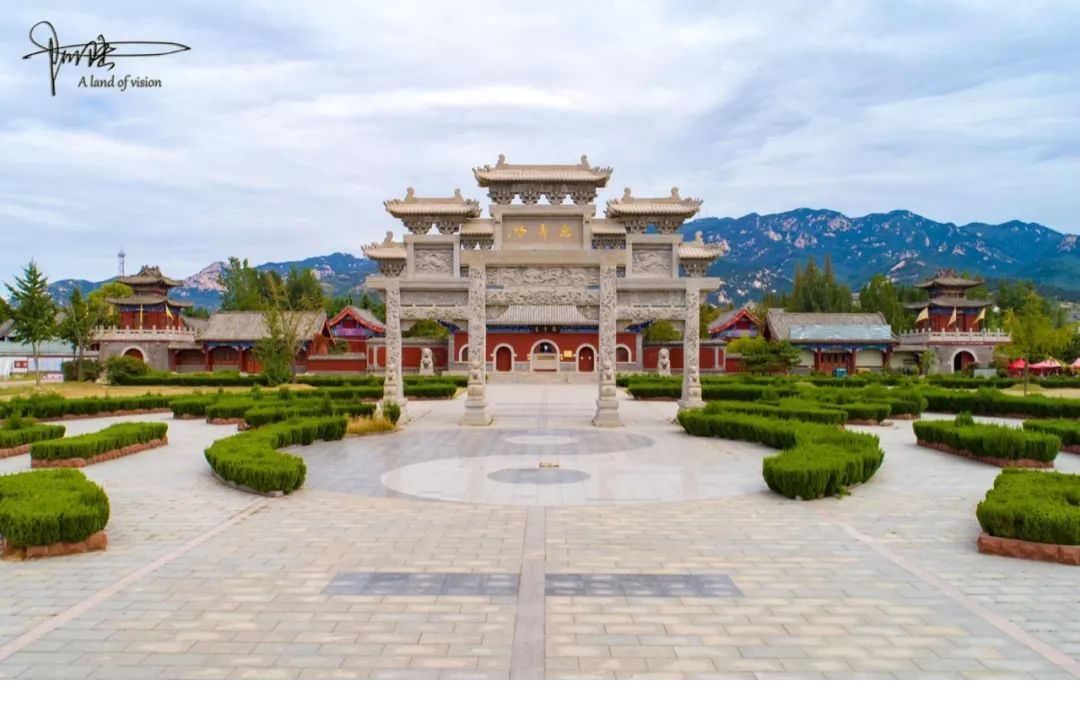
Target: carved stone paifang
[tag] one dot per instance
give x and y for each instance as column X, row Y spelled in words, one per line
column 651, row 261
column 607, row 403
column 436, row 261
column 448, row 226
column 476, row 412
column 393, row 385
column 418, row 225
column 691, row 385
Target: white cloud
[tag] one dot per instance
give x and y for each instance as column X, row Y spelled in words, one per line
column 281, row 132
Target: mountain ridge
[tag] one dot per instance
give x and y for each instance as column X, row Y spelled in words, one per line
column 762, row 252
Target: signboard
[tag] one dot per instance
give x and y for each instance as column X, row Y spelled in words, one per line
column 555, row 232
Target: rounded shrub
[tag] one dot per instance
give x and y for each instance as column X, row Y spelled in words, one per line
column 1032, row 505
column 42, row 507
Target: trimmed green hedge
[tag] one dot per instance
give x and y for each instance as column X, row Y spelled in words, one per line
column 431, row 390
column 1033, row 505
column 232, row 407
column 51, row 405
column 1068, row 431
column 963, row 382
column 194, row 405
column 42, row 507
column 818, row 460
column 267, row 413
column 986, row 440
column 250, row 458
column 113, row 437
column 995, row 402
column 864, row 411
column 222, row 379
column 793, row 409
column 30, row 432
column 1054, row 381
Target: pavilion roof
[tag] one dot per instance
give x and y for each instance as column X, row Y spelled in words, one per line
column 457, row 205
column 362, row 316
column 540, row 315
column 605, row 226
column 671, row 205
column 504, row 172
column 148, row 299
column 480, row 226
column 245, row 325
column 948, row 301
column 148, row 275
column 386, row 250
column 726, row 319
column 949, row 279
column 829, row 327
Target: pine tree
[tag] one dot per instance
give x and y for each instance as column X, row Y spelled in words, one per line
column 33, row 311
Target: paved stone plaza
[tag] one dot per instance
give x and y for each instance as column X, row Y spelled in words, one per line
column 537, row 547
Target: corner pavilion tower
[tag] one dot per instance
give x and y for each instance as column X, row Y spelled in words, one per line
column 546, row 271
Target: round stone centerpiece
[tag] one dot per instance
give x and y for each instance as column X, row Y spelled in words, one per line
column 539, row 476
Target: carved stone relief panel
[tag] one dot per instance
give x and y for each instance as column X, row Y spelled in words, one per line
column 433, row 261
column 651, row 261
column 570, row 277
column 665, row 298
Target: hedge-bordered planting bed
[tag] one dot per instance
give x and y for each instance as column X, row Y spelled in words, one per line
column 1040, row 507
column 795, row 410
column 250, row 459
column 45, row 407
column 994, row 444
column 817, row 461
column 1067, row 430
column 267, row 413
column 17, row 434
column 43, row 507
column 115, row 440
column 995, row 402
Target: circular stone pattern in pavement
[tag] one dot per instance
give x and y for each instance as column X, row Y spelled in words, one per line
column 541, row 440
column 539, row 476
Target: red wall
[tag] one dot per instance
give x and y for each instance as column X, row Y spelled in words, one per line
column 522, row 343
column 332, row 364
column 708, row 356
column 151, row 320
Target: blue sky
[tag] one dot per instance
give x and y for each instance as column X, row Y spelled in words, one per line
column 281, row 132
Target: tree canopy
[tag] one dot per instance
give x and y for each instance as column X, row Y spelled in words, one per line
column 33, row 311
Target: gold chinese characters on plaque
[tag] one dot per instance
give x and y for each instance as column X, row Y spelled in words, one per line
column 543, row 233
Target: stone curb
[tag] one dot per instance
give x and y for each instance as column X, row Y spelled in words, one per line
column 111, row 455
column 1027, row 550
column 1000, row 462
column 245, row 488
column 13, row 451
column 97, row 541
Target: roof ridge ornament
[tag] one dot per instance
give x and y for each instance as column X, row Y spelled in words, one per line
column 410, row 194
column 675, row 194
column 501, row 162
column 584, row 161
column 626, row 195
column 389, row 239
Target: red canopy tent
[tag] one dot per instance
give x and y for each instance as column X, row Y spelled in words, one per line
column 1076, row 363
column 1016, row 367
column 1045, row 367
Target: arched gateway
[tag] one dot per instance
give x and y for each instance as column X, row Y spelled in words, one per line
column 532, row 271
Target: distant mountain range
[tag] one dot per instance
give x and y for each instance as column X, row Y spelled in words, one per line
column 762, row 252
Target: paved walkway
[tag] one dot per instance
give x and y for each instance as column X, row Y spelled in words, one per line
column 442, row 551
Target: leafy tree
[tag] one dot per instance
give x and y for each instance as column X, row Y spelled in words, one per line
column 33, row 311
column 244, row 286
column 661, row 331
column 197, row 312
column 5, row 310
column 102, row 312
column 761, row 356
column 304, row 290
column 427, row 328
column 77, row 328
column 880, row 295
column 708, row 314
column 277, row 351
column 1037, row 329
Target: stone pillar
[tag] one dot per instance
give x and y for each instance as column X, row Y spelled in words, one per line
column 476, row 412
column 691, row 385
column 607, row 404
column 393, row 386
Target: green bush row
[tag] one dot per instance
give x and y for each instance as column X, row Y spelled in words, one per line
column 1033, row 505
column 964, row 382
column 194, row 405
column 113, row 437
column 91, row 370
column 995, row 402
column 1055, row 381
column 818, row 460
column 864, row 411
column 1068, row 431
column 29, row 433
column 795, row 410
column 232, row 407
column 276, row 412
column 223, row 379
column 51, row 405
column 250, row 458
column 42, row 507
column 985, row 440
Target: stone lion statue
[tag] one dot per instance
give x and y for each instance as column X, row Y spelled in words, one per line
column 663, row 363
column 426, row 361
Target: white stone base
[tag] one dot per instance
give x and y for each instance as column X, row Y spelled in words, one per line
column 607, row 413
column 691, row 403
